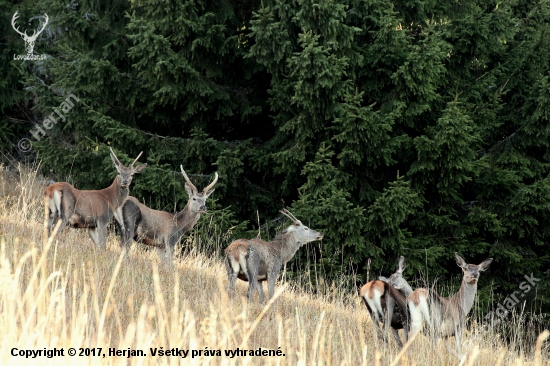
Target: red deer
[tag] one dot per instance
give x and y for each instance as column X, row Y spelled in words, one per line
column 381, row 300
column 159, row 228
column 256, row 260
column 90, row 209
column 446, row 316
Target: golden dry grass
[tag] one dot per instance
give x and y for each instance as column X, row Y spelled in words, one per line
column 65, row 293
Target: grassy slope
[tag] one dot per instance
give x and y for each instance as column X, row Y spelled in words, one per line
column 66, row 293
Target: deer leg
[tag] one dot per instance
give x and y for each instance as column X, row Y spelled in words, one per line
column 435, row 329
column 416, row 318
column 170, row 251
column 260, row 290
column 375, row 320
column 406, row 330
column 458, row 339
column 98, row 236
column 231, row 277
column 93, row 235
column 54, row 209
column 54, row 222
column 161, row 253
column 406, row 323
column 128, row 232
column 52, row 218
column 387, row 317
column 271, row 278
column 252, row 267
column 122, row 238
column 397, row 339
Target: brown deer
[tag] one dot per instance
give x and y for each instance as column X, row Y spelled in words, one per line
column 159, row 228
column 388, row 305
column 90, row 209
column 256, row 260
column 446, row 316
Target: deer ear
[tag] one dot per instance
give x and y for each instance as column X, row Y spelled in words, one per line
column 207, row 194
column 483, row 266
column 138, row 169
column 289, row 229
column 188, row 190
column 401, row 265
column 460, row 262
column 384, row 279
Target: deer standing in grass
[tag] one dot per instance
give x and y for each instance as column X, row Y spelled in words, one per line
column 256, row 260
column 90, row 209
column 446, row 316
column 159, row 228
column 387, row 305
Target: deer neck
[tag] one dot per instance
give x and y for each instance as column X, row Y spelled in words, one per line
column 186, row 218
column 115, row 193
column 289, row 247
column 464, row 298
column 406, row 290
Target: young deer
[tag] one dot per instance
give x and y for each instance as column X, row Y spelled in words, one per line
column 256, row 260
column 159, row 228
column 381, row 299
column 446, row 316
column 90, row 209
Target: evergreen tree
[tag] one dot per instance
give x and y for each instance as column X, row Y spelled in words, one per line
column 415, row 128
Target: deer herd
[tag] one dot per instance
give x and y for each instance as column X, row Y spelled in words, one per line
column 390, row 301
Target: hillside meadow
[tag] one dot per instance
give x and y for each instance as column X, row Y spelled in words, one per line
column 63, row 292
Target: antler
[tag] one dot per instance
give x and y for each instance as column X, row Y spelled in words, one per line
column 15, row 16
column 290, row 213
column 287, row 213
column 136, row 159
column 208, row 187
column 187, row 179
column 114, row 156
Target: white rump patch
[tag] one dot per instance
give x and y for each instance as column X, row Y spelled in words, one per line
column 56, row 204
column 375, row 304
column 242, row 263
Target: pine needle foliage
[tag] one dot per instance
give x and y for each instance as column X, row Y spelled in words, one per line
column 416, row 128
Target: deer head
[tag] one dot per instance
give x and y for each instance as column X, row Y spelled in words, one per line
column 29, row 40
column 471, row 272
column 197, row 199
column 396, row 279
column 125, row 174
column 301, row 233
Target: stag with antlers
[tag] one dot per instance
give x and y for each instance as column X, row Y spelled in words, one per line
column 90, row 209
column 161, row 229
column 256, row 260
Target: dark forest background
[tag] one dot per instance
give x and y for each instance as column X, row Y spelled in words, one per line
column 416, row 128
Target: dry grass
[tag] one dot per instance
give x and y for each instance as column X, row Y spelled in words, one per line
column 66, row 293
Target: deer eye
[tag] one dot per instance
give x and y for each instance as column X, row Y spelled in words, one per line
column 306, row 228
column 194, row 199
